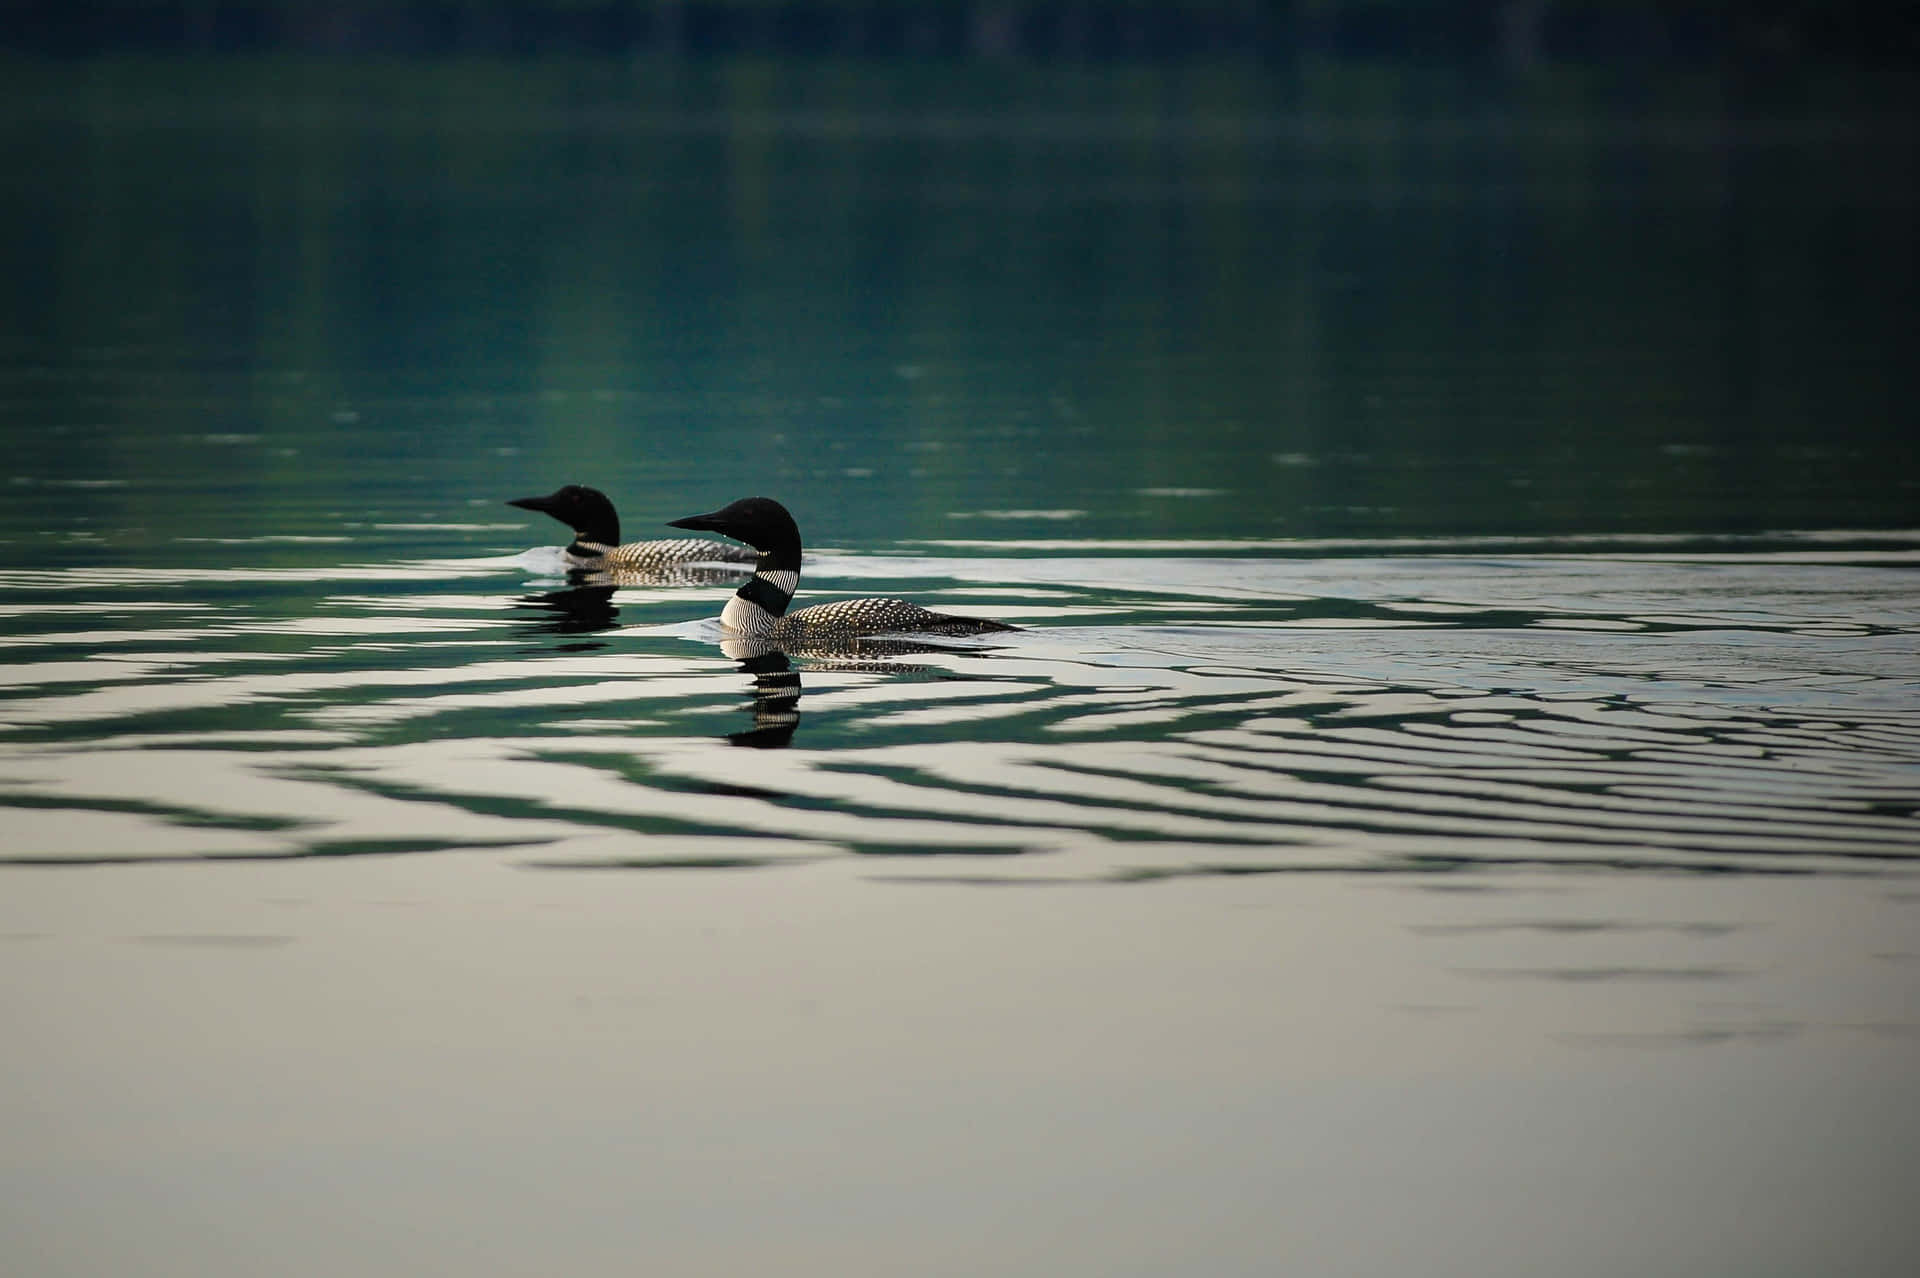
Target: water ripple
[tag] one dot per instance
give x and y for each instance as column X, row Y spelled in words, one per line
column 1158, row 719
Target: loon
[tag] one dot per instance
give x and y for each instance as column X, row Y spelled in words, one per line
column 596, row 538
column 758, row 610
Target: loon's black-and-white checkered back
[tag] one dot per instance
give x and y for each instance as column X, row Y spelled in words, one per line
column 658, row 554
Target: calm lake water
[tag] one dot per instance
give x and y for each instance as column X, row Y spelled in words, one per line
column 1453, row 805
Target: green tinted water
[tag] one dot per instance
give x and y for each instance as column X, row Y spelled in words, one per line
column 1338, row 303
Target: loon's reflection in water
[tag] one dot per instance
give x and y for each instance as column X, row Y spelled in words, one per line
column 775, row 701
column 586, row 606
column 775, row 695
column 578, row 610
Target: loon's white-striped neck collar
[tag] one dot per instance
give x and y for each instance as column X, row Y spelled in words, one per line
column 588, row 551
column 756, row 608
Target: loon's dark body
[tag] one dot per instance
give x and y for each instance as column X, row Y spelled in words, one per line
column 596, row 544
column 758, row 610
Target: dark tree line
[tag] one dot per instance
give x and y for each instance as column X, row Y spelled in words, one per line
column 1513, row 32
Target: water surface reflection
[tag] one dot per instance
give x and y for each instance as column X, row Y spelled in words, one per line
column 1416, row 714
column 577, row 610
column 775, row 700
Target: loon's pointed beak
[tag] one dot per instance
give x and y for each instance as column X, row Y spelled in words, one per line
column 542, row 504
column 712, row 521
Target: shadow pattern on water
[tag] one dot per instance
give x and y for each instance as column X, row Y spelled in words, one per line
column 1161, row 718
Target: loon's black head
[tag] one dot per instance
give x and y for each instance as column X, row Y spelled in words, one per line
column 585, row 510
column 761, row 522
